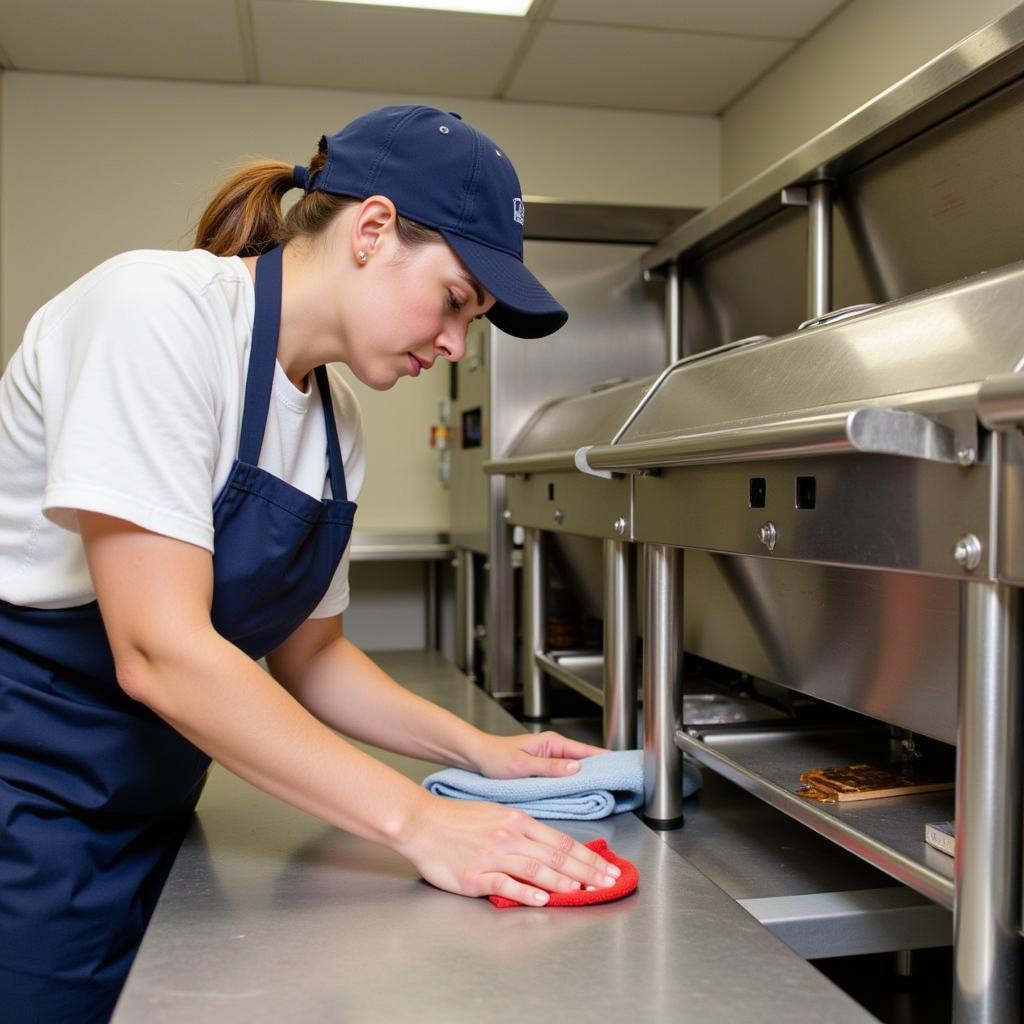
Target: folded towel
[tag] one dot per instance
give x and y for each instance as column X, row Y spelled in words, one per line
column 605, row 784
column 624, row 885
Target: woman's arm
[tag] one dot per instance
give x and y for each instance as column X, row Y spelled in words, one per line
column 344, row 688
column 154, row 594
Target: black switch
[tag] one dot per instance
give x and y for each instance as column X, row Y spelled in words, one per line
column 758, row 492
column 805, row 492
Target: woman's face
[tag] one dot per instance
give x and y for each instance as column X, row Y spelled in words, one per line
column 407, row 307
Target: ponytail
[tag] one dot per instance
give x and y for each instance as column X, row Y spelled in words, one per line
column 245, row 219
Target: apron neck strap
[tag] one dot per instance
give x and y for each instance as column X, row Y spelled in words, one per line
column 260, row 376
column 262, row 355
column 339, row 489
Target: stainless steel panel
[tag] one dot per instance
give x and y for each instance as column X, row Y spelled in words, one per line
column 727, row 294
column 577, row 504
column 592, row 418
column 945, row 205
column 963, row 74
column 615, row 332
column 825, row 924
column 885, row 644
column 878, row 512
column 943, row 338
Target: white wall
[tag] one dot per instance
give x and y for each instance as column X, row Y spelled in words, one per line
column 868, row 46
column 92, row 166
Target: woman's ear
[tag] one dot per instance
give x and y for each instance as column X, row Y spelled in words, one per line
column 372, row 227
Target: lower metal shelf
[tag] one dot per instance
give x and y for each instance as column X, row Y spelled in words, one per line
column 887, row 833
column 582, row 672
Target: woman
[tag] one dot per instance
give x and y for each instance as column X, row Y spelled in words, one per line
column 170, row 516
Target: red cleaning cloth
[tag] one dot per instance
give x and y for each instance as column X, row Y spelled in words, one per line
column 624, row 884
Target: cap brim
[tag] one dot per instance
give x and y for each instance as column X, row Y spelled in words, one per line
column 523, row 307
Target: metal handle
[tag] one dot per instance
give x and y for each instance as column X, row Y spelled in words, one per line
column 874, row 430
column 835, row 315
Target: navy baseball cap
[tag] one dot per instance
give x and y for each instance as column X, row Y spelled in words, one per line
column 444, row 174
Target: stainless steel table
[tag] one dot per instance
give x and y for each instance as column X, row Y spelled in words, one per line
column 269, row 915
column 411, row 546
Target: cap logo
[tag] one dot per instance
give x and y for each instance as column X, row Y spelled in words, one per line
column 518, row 210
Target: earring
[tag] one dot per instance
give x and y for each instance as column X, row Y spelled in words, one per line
column 361, row 256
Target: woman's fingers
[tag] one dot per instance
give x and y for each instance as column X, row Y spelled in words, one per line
column 497, row 884
column 581, row 863
column 532, row 868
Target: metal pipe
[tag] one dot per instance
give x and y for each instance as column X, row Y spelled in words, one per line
column 819, row 248
column 535, row 689
column 619, row 681
column 987, row 946
column 663, row 688
column 464, row 603
column 673, row 313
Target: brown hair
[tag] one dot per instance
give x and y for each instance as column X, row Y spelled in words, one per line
column 244, row 218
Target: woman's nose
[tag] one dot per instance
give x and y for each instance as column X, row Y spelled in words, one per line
column 451, row 343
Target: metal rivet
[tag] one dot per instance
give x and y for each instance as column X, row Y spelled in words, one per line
column 559, row 516
column 620, row 526
column 443, row 129
column 507, row 514
column 967, row 552
column 768, row 535
column 967, row 456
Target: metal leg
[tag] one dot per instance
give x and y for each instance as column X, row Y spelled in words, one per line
column 535, row 687
column 619, row 684
column 464, row 603
column 432, row 640
column 987, row 947
column 663, row 688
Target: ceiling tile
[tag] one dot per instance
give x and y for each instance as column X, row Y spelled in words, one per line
column 637, row 69
column 384, row 49
column 780, row 19
column 158, row 39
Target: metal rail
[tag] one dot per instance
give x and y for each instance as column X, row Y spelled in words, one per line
column 879, row 431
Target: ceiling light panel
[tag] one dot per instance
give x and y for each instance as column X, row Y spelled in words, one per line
column 507, row 8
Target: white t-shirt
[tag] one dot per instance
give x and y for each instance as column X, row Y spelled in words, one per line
column 125, row 398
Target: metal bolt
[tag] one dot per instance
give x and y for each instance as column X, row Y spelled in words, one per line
column 507, row 514
column 768, row 535
column 620, row 526
column 559, row 516
column 967, row 456
column 968, row 552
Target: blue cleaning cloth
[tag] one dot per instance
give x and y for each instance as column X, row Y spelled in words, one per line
column 605, row 784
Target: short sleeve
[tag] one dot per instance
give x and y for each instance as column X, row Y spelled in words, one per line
column 135, row 433
column 349, row 422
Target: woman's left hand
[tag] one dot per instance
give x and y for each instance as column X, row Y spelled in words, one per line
column 543, row 753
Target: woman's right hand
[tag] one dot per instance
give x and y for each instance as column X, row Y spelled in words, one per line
column 482, row 849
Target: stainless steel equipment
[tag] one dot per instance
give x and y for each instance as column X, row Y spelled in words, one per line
column 615, row 331
column 837, row 509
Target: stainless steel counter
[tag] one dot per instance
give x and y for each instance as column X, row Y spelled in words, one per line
column 269, row 915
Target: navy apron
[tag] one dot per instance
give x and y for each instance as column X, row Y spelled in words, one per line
column 95, row 789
